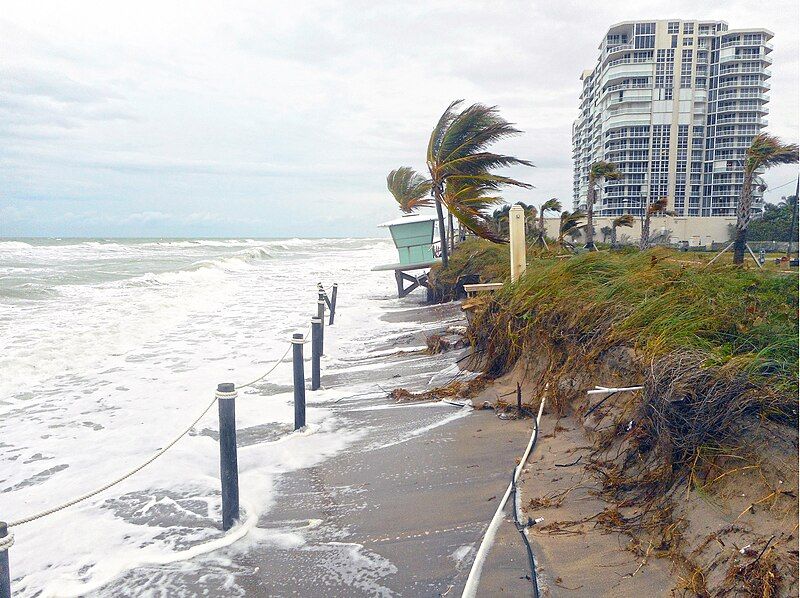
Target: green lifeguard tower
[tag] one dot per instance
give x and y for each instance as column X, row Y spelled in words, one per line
column 413, row 236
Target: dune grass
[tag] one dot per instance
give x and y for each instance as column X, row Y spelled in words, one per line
column 655, row 304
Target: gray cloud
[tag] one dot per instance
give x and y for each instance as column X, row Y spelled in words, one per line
column 246, row 120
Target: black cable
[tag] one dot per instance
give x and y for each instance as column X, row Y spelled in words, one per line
column 520, row 527
column 588, row 413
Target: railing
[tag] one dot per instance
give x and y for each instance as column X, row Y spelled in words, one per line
column 225, row 396
column 628, row 86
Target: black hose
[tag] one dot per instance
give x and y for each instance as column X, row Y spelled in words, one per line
column 592, row 410
column 519, row 525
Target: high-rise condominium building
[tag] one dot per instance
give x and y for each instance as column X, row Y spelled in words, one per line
column 674, row 104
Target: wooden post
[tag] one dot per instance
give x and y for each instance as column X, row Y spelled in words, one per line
column 516, row 227
column 316, row 352
column 321, row 316
column 334, row 292
column 228, row 462
column 299, row 381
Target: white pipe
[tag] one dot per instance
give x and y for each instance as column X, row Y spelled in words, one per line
column 602, row 390
column 471, row 587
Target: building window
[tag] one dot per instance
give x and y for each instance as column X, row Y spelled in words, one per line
column 688, row 41
column 688, row 28
column 673, row 27
column 645, row 29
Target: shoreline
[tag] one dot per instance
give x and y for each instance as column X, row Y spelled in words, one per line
column 399, row 510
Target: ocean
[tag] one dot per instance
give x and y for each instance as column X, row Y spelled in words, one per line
column 109, row 348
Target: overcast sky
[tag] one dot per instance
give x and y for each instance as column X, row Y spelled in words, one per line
column 282, row 119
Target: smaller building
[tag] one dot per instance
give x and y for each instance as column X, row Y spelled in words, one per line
column 697, row 232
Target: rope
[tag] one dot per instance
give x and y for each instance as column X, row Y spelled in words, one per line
column 269, row 371
column 136, row 469
column 276, row 364
column 6, row 542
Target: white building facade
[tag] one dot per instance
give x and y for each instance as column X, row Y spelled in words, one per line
column 674, row 104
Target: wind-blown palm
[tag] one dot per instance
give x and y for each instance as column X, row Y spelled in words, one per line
column 457, row 151
column 764, row 152
column 551, row 205
column 598, row 172
column 410, row 189
column 570, row 221
column 659, row 206
column 626, row 220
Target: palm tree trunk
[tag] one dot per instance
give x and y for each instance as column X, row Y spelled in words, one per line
column 613, row 237
column 451, row 231
column 739, row 246
column 437, row 196
column 590, row 216
column 643, row 240
column 793, row 225
column 743, row 219
column 541, row 228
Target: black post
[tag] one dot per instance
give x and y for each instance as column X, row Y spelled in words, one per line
column 228, row 463
column 299, row 381
column 519, row 399
column 5, row 571
column 316, row 352
column 333, row 303
column 321, row 316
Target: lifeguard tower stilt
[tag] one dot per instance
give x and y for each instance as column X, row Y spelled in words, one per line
column 413, row 237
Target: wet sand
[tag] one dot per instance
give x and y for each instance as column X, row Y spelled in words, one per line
column 401, row 510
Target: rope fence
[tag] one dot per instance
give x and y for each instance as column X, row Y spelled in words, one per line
column 225, row 395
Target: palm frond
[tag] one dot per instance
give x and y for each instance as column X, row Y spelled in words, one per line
column 624, row 220
column 767, row 150
column 571, row 221
column 604, row 170
column 658, row 205
column 409, row 188
column 496, row 181
column 478, row 222
column 551, row 205
column 440, row 130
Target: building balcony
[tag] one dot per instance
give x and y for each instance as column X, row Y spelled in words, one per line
column 738, row 107
column 627, row 86
column 608, row 50
column 626, row 71
column 745, row 58
column 763, row 84
column 746, row 43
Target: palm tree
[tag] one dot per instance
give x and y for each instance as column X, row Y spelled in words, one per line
column 457, row 152
column 409, row 188
column 765, row 151
column 570, row 223
column 659, row 206
column 624, row 220
column 598, row 172
column 606, row 232
column 551, row 205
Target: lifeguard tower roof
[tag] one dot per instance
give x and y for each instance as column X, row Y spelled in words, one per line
column 409, row 219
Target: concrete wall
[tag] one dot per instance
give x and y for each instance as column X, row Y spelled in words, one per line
column 697, row 231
